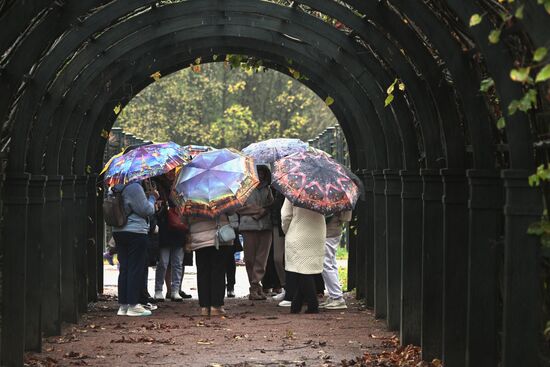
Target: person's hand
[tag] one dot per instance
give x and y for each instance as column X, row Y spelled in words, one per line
column 155, row 193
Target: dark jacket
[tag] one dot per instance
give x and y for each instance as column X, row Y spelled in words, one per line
column 168, row 237
column 275, row 210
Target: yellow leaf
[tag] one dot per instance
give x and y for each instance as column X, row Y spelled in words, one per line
column 329, row 100
column 198, row 61
column 388, row 100
column 156, row 75
column 475, row 19
column 401, row 86
column 117, row 109
column 104, row 134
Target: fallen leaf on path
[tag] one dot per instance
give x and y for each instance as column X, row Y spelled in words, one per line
column 75, row 355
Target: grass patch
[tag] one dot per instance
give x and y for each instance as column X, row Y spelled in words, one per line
column 341, row 253
column 343, row 277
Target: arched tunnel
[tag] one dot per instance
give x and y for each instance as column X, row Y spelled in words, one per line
column 441, row 249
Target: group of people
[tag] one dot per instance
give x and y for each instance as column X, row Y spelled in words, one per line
column 302, row 244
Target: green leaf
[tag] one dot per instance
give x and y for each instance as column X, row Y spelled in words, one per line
column 214, row 57
column 388, row 100
column 329, row 100
column 475, row 19
column 494, row 36
column 513, row 107
column 543, row 74
column 519, row 12
column 520, row 75
column 539, row 54
column 501, row 123
column 533, row 180
column 535, row 228
column 391, row 87
column 486, row 84
column 528, row 100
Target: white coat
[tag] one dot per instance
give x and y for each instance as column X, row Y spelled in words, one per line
column 305, row 239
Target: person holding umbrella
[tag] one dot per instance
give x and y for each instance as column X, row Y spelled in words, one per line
column 125, row 174
column 132, row 243
column 213, row 185
column 314, row 186
column 255, row 226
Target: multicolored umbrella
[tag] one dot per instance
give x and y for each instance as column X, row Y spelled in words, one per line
column 271, row 150
column 216, row 182
column 316, row 182
column 144, row 162
column 194, row 150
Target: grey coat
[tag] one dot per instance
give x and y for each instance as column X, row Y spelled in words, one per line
column 260, row 198
column 137, row 207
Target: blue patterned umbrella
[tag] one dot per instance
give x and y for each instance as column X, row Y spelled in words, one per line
column 269, row 151
column 144, row 162
column 216, row 182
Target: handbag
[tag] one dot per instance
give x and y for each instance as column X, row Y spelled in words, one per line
column 174, row 221
column 224, row 235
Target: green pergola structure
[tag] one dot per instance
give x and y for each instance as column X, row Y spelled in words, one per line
column 441, row 250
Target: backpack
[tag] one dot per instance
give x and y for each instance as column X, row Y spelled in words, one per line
column 113, row 209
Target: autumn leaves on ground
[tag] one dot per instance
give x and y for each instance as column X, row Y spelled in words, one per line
column 252, row 334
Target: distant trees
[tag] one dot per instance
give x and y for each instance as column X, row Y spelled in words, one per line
column 222, row 104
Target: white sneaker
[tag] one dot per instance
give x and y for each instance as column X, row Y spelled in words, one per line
column 325, row 302
column 336, row 304
column 150, row 306
column 279, row 297
column 138, row 310
column 284, row 303
column 122, row 310
column 159, row 296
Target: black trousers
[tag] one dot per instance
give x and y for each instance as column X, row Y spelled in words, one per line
column 291, row 283
column 211, row 275
column 132, row 257
column 230, row 267
column 271, row 279
column 304, row 292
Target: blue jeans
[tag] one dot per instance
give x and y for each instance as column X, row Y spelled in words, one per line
column 132, row 257
column 174, row 257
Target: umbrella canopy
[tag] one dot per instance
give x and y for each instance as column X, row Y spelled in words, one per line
column 194, row 150
column 124, row 151
column 316, row 182
column 271, row 150
column 216, row 182
column 144, row 162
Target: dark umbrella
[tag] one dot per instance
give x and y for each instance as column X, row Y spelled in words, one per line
column 316, row 182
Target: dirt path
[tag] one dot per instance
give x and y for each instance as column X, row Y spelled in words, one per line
column 252, row 334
